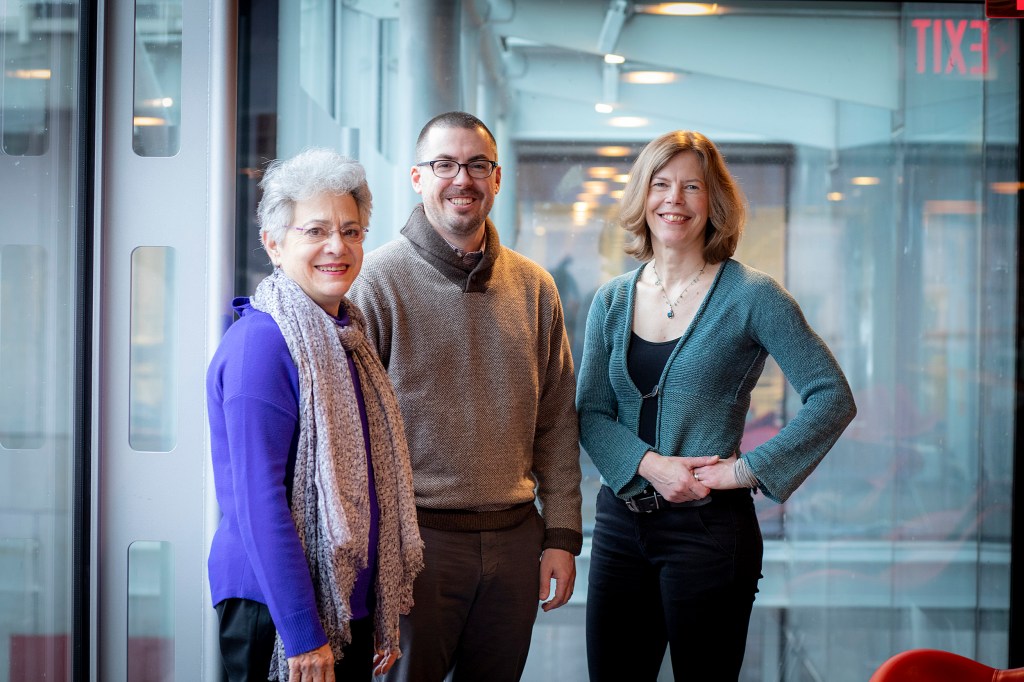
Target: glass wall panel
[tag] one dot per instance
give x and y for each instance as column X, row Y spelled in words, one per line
column 24, row 99
column 150, row 612
column 152, row 407
column 877, row 145
column 39, row 285
column 22, row 413
column 156, row 117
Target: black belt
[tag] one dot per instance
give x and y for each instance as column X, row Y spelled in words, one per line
column 651, row 500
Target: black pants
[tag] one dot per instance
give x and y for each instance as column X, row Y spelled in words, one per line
column 685, row 577
column 476, row 603
column 247, row 643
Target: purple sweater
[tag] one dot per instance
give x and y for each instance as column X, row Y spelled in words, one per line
column 252, row 389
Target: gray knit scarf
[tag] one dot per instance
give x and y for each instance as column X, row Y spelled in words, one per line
column 330, row 490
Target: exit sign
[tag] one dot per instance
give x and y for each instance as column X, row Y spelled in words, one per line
column 948, row 46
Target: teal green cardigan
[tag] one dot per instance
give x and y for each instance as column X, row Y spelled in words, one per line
column 705, row 388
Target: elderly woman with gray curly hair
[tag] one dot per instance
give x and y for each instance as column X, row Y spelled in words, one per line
column 316, row 553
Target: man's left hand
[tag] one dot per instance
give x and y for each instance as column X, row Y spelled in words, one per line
column 559, row 565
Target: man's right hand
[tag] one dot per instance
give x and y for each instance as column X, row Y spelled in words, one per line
column 313, row 666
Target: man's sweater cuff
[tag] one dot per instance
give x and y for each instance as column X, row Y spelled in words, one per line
column 563, row 538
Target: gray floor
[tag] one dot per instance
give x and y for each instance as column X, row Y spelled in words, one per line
column 559, row 650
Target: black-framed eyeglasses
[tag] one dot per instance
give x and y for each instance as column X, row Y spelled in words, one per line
column 446, row 168
column 318, row 234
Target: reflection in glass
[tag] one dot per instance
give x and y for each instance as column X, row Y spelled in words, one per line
column 40, row 332
column 156, row 119
column 152, row 410
column 150, row 612
column 23, row 291
column 24, row 97
column 317, row 48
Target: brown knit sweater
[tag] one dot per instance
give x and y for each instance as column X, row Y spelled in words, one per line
column 482, row 368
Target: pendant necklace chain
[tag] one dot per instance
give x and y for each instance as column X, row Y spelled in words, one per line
column 664, row 294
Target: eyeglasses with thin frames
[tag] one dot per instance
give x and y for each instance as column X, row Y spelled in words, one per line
column 447, row 169
column 318, row 234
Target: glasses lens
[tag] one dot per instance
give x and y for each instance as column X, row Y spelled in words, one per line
column 353, row 235
column 313, row 235
column 479, row 169
column 445, row 169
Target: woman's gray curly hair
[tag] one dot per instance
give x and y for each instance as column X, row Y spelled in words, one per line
column 312, row 172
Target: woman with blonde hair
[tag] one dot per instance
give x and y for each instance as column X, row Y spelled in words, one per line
column 671, row 355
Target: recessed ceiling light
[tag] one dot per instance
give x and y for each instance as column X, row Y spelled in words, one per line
column 603, row 108
column 613, row 150
column 1006, row 187
column 28, row 74
column 601, row 172
column 165, row 102
column 614, row 59
column 649, row 77
column 679, row 9
column 865, row 180
column 144, row 121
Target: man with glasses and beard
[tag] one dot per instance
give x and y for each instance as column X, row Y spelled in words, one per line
column 473, row 338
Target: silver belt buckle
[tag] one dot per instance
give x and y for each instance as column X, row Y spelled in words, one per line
column 631, row 506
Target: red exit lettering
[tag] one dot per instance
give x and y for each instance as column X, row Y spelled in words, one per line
column 956, row 30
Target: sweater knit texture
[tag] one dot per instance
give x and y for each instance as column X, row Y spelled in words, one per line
column 483, row 371
column 704, row 391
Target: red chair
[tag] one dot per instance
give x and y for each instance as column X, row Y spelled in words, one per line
column 931, row 665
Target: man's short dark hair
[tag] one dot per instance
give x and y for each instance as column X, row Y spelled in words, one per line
column 453, row 119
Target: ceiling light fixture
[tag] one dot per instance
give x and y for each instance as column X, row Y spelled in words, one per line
column 145, row 121
column 1006, row 187
column 649, row 77
column 28, row 74
column 679, row 9
column 613, row 150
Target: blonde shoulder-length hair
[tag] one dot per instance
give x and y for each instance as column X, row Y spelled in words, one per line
column 726, row 203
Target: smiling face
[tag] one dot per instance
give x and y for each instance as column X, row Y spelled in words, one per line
column 324, row 271
column 457, row 207
column 677, row 203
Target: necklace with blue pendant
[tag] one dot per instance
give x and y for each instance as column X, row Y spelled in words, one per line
column 664, row 294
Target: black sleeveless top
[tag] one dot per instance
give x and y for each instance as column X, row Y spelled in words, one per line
column 645, row 362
